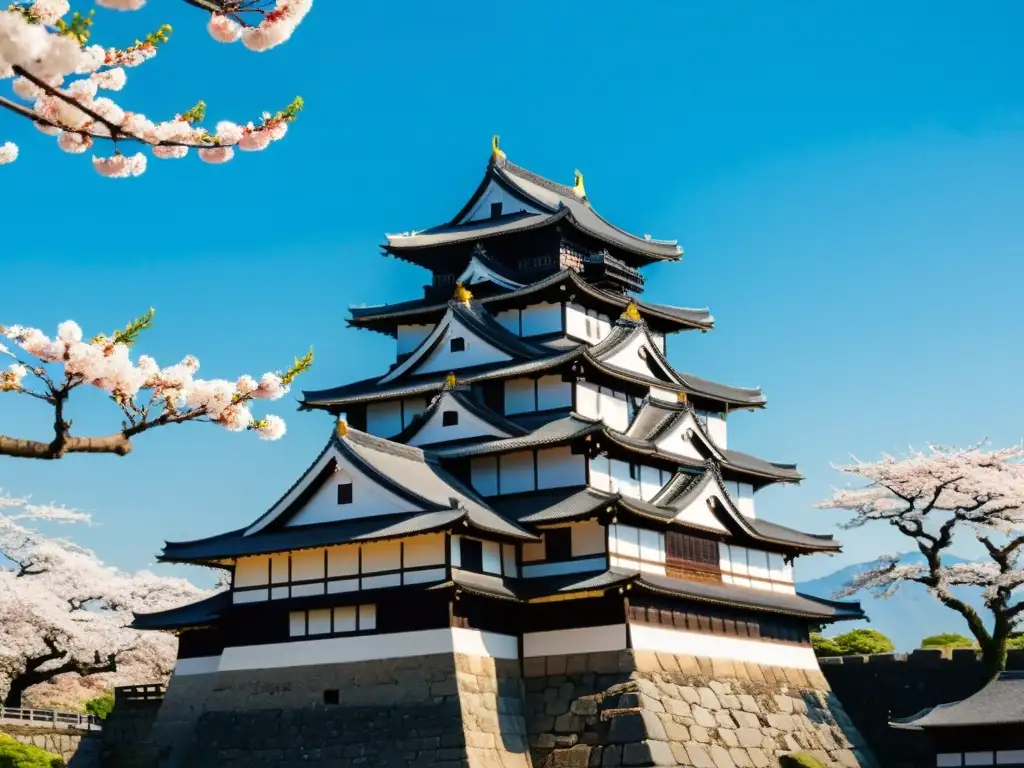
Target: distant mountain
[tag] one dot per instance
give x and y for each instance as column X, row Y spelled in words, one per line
column 907, row 617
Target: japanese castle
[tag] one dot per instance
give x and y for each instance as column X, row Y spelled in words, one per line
column 530, row 486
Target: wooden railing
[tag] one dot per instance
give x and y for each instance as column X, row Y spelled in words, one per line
column 50, row 718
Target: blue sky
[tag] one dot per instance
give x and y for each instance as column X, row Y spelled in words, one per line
column 846, row 183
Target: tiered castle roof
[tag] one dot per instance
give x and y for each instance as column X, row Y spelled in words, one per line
column 533, row 396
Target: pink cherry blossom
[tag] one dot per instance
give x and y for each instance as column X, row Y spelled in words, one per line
column 120, row 166
column 223, row 30
column 121, row 5
column 110, row 80
column 277, row 26
column 8, row 152
column 147, row 394
column 937, row 498
column 74, row 143
column 43, row 62
column 59, row 598
column 216, row 155
column 271, row 428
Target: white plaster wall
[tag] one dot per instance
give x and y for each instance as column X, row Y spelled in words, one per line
column 477, row 352
column 586, row 325
column 628, row 357
column 651, row 481
column 308, row 564
column 608, row 405
column 681, row 642
column 411, row 336
column 516, row 471
column 508, row 557
column 343, row 650
column 468, row 426
column 636, row 549
column 384, row 419
column 676, row 441
column 743, row 496
column 483, row 475
column 540, row 319
column 664, row 395
column 588, row 538
column 424, row 550
column 559, row 468
column 659, row 341
column 563, row 642
column 717, row 430
column 520, row 396
column 368, row 500
column 509, row 320
column 496, row 194
column 252, row 571
column 553, row 393
column 622, row 482
column 201, row 665
column 699, row 513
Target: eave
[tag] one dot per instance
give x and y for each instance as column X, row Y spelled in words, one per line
column 368, row 390
column 563, row 285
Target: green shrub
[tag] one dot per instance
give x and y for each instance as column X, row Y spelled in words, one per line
column 14, row 754
column 854, row 642
column 100, row 706
column 799, row 760
column 948, row 640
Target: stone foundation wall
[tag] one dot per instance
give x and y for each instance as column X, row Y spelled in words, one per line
column 632, row 708
column 59, row 741
column 445, row 710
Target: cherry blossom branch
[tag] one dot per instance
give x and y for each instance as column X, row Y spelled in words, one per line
column 104, row 362
column 77, row 117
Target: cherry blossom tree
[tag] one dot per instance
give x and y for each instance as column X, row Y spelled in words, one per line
column 64, row 614
column 148, row 396
column 932, row 497
column 57, row 76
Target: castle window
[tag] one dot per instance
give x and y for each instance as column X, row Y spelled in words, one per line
column 345, row 493
column 449, row 418
column 471, row 555
column 495, row 210
column 558, row 544
column 457, row 344
column 342, row 620
column 332, row 696
column 691, row 557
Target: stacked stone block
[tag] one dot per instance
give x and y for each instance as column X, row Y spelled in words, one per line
column 438, row 711
column 640, row 709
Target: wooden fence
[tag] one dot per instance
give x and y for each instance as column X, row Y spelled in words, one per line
column 50, row 718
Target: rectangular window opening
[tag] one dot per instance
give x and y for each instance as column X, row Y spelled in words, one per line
column 345, row 493
column 558, row 544
column 495, row 210
column 332, row 696
column 457, row 344
column 471, row 555
column 449, row 418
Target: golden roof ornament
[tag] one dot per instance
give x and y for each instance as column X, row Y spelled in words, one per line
column 496, row 153
column 449, row 381
column 577, row 188
column 681, row 397
column 342, row 427
column 632, row 313
column 462, row 294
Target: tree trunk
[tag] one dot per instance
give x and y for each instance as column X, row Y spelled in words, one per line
column 14, row 694
column 993, row 655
